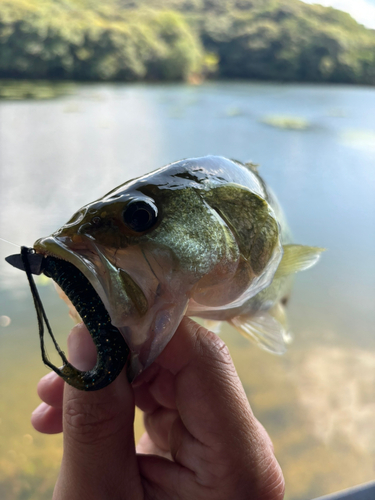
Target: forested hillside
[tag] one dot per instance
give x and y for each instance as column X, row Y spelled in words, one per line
column 180, row 39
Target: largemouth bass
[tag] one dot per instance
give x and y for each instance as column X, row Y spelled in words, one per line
column 203, row 237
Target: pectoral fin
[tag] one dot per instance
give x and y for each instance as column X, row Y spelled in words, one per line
column 212, row 325
column 268, row 329
column 297, row 258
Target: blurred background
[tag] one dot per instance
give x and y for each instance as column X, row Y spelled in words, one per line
column 93, row 93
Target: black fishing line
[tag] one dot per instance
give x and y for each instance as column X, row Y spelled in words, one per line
column 41, row 314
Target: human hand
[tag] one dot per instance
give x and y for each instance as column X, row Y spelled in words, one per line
column 204, row 439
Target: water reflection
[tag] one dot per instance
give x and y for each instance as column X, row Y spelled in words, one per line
column 336, row 411
column 57, row 155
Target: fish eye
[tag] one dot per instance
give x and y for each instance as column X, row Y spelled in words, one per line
column 140, row 215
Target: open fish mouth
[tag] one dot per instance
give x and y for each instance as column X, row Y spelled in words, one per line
column 120, row 294
column 112, row 350
column 110, row 344
column 63, row 250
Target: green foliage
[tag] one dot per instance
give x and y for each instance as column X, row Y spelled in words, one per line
column 288, row 40
column 68, row 40
column 177, row 39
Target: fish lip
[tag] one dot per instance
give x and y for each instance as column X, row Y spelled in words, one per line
column 65, row 248
column 59, row 248
column 55, row 247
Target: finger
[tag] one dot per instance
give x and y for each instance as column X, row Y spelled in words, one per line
column 155, row 397
column 162, row 389
column 158, row 425
column 146, row 446
column 217, row 435
column 265, row 435
column 158, row 391
column 208, row 392
column 144, row 399
column 157, row 400
column 47, row 419
column 51, row 389
column 81, row 348
column 99, row 452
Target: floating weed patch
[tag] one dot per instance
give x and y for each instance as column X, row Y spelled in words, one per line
column 286, row 122
column 233, row 111
column 15, row 90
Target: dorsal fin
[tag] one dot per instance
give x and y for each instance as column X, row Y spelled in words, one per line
column 297, row 258
column 252, row 166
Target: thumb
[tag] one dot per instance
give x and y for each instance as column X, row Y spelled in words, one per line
column 99, row 451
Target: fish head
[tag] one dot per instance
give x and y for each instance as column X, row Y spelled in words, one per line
column 154, row 244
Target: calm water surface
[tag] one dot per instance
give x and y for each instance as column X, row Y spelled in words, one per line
column 317, row 401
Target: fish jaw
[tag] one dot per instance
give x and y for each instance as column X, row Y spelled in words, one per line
column 167, row 293
column 143, row 304
column 79, row 253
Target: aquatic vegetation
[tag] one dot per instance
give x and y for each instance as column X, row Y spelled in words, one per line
column 286, row 122
column 233, row 111
column 33, row 89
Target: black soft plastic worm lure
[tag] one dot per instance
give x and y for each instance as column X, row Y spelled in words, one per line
column 112, row 351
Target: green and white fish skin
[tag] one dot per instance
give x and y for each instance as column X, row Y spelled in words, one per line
column 202, row 237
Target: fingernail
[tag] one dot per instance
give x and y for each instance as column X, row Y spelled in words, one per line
column 40, row 410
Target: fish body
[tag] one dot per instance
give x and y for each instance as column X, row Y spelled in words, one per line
column 203, row 237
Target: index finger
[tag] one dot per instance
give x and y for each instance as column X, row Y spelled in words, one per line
column 214, row 432
column 208, row 393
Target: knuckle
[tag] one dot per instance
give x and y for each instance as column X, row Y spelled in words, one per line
column 210, row 346
column 89, row 423
column 214, row 358
column 214, row 347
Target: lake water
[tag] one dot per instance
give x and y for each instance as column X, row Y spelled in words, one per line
column 316, row 149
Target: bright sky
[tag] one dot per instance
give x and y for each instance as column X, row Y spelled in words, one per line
column 363, row 11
